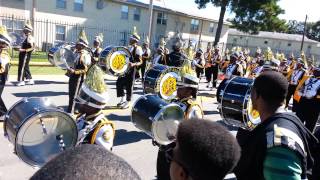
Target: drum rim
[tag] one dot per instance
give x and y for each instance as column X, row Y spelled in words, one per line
column 152, row 68
column 224, row 90
column 32, row 116
column 25, row 99
column 157, row 117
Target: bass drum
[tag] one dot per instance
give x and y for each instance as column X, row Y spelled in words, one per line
column 39, row 130
column 235, row 103
column 114, row 60
column 62, row 56
column 161, row 80
column 157, row 118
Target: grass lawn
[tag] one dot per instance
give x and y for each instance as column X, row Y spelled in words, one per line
column 37, row 56
column 37, row 70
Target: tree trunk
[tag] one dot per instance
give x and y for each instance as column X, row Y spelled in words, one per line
column 220, row 23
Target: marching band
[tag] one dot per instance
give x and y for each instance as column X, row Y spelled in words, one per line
column 88, row 95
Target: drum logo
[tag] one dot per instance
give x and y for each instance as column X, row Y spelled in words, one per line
column 169, row 86
column 118, row 62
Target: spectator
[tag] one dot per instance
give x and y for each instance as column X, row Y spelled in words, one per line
column 86, row 162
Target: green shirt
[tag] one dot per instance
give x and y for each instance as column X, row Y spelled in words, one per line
column 282, row 163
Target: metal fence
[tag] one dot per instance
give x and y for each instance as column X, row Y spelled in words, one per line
column 49, row 32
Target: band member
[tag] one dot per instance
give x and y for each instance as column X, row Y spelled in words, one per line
column 294, row 79
column 208, row 70
column 146, row 54
column 5, row 41
column 97, row 42
column 127, row 80
column 78, row 72
column 284, row 67
column 198, row 63
column 234, row 68
column 257, row 70
column 187, row 88
column 25, row 51
column 94, row 127
column 215, row 60
column 225, row 61
column 309, row 103
column 159, row 57
column 280, row 146
column 176, row 58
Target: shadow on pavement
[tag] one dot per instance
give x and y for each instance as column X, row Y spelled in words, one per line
column 41, row 82
column 40, row 94
column 115, row 117
column 210, row 112
column 126, row 137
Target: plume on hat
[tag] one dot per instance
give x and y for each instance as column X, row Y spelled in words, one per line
column 4, row 36
column 82, row 38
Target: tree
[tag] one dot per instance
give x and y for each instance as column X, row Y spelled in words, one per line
column 251, row 16
column 312, row 29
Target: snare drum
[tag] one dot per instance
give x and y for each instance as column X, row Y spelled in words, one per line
column 114, row 60
column 235, row 103
column 39, row 130
column 161, row 80
column 62, row 56
column 157, row 118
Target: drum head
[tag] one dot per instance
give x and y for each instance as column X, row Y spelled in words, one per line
column 165, row 125
column 115, row 60
column 119, row 62
column 62, row 56
column 168, row 85
column 38, row 141
column 252, row 116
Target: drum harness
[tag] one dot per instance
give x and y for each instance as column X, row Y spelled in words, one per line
column 88, row 128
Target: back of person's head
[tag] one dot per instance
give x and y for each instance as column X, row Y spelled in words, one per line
column 206, row 149
column 272, row 87
column 86, row 162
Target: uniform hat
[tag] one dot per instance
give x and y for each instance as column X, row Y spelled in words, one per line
column 82, row 39
column 188, row 77
column 27, row 26
column 235, row 55
column 146, row 40
column 94, row 90
column 258, row 51
column 200, row 51
column 177, row 41
column 4, row 36
column 273, row 64
column 99, row 38
column 135, row 36
column 162, row 42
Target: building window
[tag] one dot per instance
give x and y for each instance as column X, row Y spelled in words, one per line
column 265, row 42
column 211, row 27
column 162, row 18
column 100, row 4
column 13, row 26
column 78, row 5
column 289, row 44
column 194, row 25
column 124, row 12
column 136, row 15
column 61, row 4
column 60, row 33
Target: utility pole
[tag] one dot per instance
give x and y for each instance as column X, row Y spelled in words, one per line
column 200, row 35
column 304, row 32
column 150, row 19
column 33, row 13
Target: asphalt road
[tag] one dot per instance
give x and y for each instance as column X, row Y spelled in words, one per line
column 130, row 143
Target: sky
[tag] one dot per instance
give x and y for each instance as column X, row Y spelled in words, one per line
column 294, row 9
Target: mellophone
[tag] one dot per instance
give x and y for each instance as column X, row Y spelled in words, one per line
column 235, row 107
